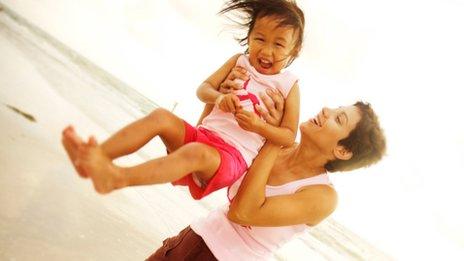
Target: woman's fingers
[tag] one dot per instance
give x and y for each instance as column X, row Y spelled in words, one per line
column 270, row 106
column 277, row 98
column 263, row 113
column 274, row 102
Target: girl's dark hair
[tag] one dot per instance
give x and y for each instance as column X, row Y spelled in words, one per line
column 286, row 10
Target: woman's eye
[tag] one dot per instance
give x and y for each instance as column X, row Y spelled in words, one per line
column 259, row 39
column 280, row 45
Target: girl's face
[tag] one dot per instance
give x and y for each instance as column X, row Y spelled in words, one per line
column 270, row 46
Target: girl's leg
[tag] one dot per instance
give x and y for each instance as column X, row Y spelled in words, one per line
column 195, row 157
column 160, row 122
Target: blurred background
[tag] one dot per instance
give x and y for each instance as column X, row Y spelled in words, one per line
column 404, row 57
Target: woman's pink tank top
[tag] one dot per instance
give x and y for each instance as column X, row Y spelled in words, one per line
column 230, row 241
column 224, row 123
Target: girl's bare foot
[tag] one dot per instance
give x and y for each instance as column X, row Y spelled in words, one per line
column 71, row 143
column 105, row 176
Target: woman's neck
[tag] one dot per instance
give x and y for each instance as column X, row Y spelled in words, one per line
column 301, row 161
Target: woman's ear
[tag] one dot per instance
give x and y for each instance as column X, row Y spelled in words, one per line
column 342, row 153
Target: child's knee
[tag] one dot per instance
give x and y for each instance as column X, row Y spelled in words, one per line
column 159, row 114
column 161, row 117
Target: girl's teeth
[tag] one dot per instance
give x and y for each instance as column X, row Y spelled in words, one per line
column 265, row 63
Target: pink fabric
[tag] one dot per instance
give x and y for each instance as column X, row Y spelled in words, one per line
column 231, row 168
column 230, row 241
column 225, row 125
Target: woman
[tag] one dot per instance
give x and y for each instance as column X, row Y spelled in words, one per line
column 285, row 190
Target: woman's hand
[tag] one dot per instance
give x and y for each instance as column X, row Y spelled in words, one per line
column 274, row 102
column 234, row 81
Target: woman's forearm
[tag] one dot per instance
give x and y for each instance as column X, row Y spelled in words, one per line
column 251, row 194
column 280, row 136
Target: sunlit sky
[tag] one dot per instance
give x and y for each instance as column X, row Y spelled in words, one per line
column 404, row 57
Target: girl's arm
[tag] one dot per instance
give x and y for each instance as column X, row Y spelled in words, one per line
column 283, row 135
column 208, row 91
column 251, row 207
column 206, row 111
column 226, row 87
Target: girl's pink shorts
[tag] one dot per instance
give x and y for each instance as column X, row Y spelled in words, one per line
column 231, row 168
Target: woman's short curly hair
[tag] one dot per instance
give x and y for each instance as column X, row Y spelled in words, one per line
column 366, row 141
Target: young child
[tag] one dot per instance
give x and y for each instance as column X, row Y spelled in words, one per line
column 216, row 153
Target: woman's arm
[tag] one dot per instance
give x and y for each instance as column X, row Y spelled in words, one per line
column 251, row 193
column 251, row 207
column 309, row 206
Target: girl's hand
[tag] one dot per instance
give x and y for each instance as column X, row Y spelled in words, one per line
column 249, row 121
column 228, row 102
column 230, row 84
column 274, row 102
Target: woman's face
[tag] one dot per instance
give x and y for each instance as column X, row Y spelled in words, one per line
column 330, row 126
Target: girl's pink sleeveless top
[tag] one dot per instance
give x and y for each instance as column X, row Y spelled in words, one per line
column 230, row 241
column 224, row 123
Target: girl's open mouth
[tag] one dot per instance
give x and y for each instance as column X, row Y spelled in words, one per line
column 264, row 63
